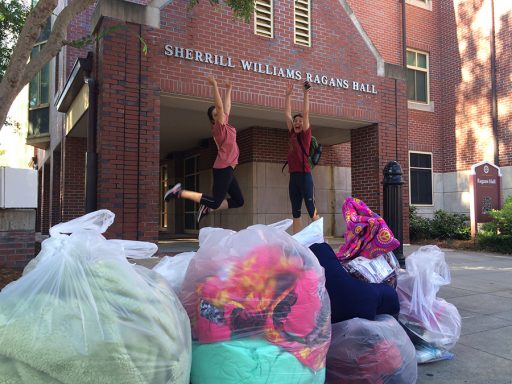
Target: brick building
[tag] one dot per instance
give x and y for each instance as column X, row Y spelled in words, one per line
column 125, row 121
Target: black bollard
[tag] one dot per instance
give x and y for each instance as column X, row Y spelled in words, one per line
column 393, row 205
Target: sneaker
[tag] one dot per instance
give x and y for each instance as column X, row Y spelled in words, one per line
column 202, row 212
column 173, row 193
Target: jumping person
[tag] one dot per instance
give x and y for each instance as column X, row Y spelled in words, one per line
column 301, row 185
column 224, row 181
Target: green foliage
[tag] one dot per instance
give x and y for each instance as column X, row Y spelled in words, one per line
column 442, row 226
column 450, row 226
column 241, row 8
column 13, row 14
column 496, row 235
column 492, row 242
column 419, row 227
column 502, row 219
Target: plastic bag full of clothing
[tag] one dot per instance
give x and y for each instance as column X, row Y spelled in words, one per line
column 432, row 319
column 371, row 352
column 82, row 314
column 257, row 296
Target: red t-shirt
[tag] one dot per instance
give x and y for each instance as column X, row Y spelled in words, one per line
column 297, row 160
column 225, row 138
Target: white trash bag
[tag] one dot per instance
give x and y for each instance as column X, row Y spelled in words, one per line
column 174, row 268
column 432, row 319
column 84, row 315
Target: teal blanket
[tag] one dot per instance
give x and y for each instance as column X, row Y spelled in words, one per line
column 248, row 361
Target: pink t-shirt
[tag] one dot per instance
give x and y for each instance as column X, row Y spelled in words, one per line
column 225, row 138
column 297, row 160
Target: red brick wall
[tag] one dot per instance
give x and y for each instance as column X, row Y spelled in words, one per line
column 260, row 144
column 464, row 30
column 128, row 133
column 56, row 189
column 337, row 50
column 73, row 180
column 386, row 16
column 45, row 201
column 16, row 248
column 504, row 72
column 425, row 128
column 79, row 28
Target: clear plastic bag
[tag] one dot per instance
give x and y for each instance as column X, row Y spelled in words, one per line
column 432, row 319
column 84, row 314
column 312, row 234
column 174, row 268
column 371, row 352
column 382, row 269
column 258, row 283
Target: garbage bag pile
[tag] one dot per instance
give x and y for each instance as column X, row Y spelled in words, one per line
column 371, row 352
column 257, row 303
column 81, row 313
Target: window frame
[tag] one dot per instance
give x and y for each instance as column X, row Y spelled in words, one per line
column 295, row 20
column 197, row 174
column 164, row 207
column 426, row 4
column 420, row 69
column 431, row 178
column 270, row 19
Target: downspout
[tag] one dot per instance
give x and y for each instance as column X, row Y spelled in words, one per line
column 404, row 38
column 494, row 92
column 91, row 173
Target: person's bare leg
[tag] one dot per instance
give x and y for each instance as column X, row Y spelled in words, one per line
column 196, row 197
column 297, row 225
column 191, row 195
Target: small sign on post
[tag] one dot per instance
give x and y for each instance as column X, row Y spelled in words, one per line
column 485, row 190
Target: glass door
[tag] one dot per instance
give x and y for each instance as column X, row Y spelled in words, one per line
column 191, row 177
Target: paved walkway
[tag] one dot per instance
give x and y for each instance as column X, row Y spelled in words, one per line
column 481, row 289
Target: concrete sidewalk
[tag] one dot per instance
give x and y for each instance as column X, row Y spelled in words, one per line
column 481, row 289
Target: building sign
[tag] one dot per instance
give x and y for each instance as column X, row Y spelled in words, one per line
column 485, row 184
column 268, row 69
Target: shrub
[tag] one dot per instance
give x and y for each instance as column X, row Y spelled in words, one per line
column 443, row 226
column 447, row 225
column 496, row 235
column 419, row 227
column 502, row 219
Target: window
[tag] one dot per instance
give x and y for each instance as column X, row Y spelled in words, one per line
column 425, row 4
column 302, row 15
column 264, row 18
column 417, row 76
column 39, row 90
column 420, row 168
column 191, row 183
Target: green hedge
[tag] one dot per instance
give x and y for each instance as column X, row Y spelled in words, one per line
column 442, row 226
column 495, row 243
column 497, row 234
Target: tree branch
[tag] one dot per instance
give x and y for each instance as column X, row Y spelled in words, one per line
column 19, row 73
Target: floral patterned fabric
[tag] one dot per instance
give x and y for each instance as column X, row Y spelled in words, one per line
column 367, row 233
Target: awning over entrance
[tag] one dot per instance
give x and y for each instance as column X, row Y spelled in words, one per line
column 183, row 123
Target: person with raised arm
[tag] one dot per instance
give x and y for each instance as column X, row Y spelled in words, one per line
column 300, row 187
column 224, row 180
